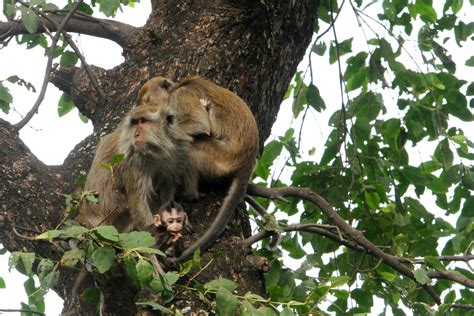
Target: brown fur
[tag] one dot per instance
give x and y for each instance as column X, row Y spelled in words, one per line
column 225, row 139
column 144, row 179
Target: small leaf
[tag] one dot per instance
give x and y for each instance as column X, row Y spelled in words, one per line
column 388, row 276
column 339, row 280
column 30, row 19
column 106, row 233
column 49, row 235
column 65, row 104
column 74, row 231
column 470, row 62
column 144, row 271
column 109, row 7
column 68, row 58
column 2, row 283
column 103, row 259
column 83, row 118
column 421, row 276
column 314, row 98
column 220, row 283
column 116, row 159
column 28, row 258
column 136, row 239
column 319, row 48
column 72, row 257
column 226, row 302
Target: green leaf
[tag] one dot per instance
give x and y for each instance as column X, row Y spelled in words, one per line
column 5, row 99
column 155, row 306
column 388, row 276
column 314, row 98
column 443, row 154
column 72, row 257
column 91, row 296
column 226, row 303
column 106, row 233
column 421, row 276
column 425, row 10
column 30, row 19
column 68, row 58
column 339, row 280
column 342, row 48
column 319, row 48
column 144, row 271
column 103, row 259
column 148, row 250
column 470, row 62
column 136, row 239
column 83, row 118
column 109, row 7
column 435, row 263
column 65, row 104
column 49, row 235
column 220, row 283
column 2, row 283
column 116, row 159
column 28, row 258
column 74, row 231
column 456, row 6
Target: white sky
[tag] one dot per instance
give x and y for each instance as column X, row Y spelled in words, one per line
column 52, row 138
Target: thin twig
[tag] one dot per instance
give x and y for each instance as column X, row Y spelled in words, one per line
column 49, row 64
column 77, row 51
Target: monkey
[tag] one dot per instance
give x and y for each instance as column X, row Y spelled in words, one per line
column 225, row 140
column 168, row 228
column 154, row 157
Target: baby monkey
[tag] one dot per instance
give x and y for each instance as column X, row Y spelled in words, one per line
column 168, row 228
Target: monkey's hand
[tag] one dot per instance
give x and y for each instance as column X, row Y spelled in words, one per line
column 175, row 238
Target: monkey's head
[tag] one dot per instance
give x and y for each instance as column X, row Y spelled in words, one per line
column 172, row 217
column 155, row 90
column 150, row 133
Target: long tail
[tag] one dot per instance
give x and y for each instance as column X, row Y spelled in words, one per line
column 236, row 195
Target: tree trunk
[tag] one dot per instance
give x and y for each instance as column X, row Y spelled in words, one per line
column 250, row 47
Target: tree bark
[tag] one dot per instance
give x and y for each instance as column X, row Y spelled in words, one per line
column 250, row 47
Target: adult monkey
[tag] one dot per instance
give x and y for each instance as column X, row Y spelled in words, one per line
column 155, row 155
column 225, row 140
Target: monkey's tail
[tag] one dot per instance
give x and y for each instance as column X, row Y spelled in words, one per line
column 236, row 195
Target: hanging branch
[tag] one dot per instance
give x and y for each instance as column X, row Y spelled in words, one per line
column 334, row 217
column 49, row 65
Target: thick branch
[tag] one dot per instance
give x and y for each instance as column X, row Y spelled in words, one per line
column 118, row 32
column 334, row 217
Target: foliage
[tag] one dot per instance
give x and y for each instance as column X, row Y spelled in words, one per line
column 396, row 165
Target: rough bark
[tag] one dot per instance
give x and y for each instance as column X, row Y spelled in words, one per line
column 250, row 47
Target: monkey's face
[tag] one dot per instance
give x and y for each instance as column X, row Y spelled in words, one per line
column 150, row 132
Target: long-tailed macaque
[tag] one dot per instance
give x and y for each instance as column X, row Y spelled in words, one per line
column 168, row 228
column 155, row 154
column 225, row 139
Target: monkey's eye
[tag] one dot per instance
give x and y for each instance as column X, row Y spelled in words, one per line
column 133, row 122
column 170, row 119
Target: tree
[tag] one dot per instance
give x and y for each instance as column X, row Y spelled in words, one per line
column 361, row 201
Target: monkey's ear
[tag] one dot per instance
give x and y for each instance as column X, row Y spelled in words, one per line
column 157, row 220
column 166, row 84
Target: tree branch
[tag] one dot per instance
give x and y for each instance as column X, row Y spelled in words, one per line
column 458, row 278
column 334, row 217
column 47, row 73
column 118, row 32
